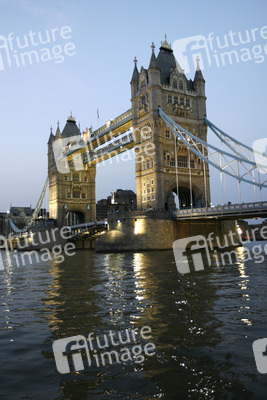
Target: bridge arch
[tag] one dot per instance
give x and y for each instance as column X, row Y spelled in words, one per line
column 185, row 197
column 74, row 217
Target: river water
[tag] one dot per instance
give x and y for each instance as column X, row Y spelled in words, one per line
column 202, row 325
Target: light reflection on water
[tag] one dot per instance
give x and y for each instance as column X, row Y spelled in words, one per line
column 203, row 325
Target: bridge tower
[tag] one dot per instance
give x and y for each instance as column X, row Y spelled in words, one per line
column 72, row 197
column 164, row 84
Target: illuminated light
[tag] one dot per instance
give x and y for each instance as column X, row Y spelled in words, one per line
column 239, row 230
column 119, row 220
column 139, row 226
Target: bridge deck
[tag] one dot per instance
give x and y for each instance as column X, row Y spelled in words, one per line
column 89, row 229
column 229, row 211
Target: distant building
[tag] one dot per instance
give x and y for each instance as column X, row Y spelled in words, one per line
column 3, row 223
column 251, row 231
column 121, row 200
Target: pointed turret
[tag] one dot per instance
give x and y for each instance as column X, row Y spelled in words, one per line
column 58, row 133
column 199, row 85
column 153, row 71
column 199, row 82
column 198, row 73
column 135, row 79
column 51, row 137
column 135, row 76
column 153, row 60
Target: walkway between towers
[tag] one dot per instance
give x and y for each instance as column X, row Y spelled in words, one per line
column 229, row 211
column 237, row 161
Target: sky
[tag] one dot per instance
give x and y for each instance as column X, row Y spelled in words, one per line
column 98, row 42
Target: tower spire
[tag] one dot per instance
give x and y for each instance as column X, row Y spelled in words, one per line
column 135, row 75
column 58, row 133
column 153, row 60
column 198, row 73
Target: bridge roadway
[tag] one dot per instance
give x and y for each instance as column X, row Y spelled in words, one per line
column 229, row 211
column 101, row 144
column 88, row 229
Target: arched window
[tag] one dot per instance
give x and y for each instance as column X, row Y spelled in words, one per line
column 75, row 177
column 167, row 159
column 148, row 163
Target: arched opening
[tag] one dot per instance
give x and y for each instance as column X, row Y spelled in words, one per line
column 75, row 218
column 185, row 199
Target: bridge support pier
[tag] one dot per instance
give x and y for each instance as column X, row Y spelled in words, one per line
column 136, row 230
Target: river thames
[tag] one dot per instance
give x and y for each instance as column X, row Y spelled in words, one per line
column 202, row 326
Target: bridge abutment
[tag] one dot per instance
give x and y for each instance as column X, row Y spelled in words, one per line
column 155, row 230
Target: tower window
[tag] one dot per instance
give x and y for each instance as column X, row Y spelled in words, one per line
column 172, row 162
column 152, row 181
column 167, row 134
column 65, row 177
column 175, row 84
column 142, row 85
column 181, row 85
column 168, row 157
column 169, row 98
column 75, row 178
column 187, row 102
column 182, row 162
column 85, row 179
column 76, row 194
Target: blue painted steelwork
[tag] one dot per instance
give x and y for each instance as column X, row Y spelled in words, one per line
column 241, row 210
column 179, row 132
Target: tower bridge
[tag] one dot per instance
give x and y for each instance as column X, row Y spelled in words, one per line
column 167, row 127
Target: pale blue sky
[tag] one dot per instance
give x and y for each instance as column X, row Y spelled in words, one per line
column 107, row 35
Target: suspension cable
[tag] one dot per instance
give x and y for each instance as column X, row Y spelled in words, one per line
column 176, row 168
column 190, row 180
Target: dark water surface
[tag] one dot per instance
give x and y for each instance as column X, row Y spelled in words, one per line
column 203, row 326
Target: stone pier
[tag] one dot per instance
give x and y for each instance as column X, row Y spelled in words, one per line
column 155, row 230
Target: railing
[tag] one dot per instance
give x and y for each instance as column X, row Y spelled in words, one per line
column 81, row 229
column 221, row 210
column 122, row 119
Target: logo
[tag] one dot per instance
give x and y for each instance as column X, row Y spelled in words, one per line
column 191, row 254
column 187, row 50
column 222, row 50
column 60, row 147
column 4, row 247
column 260, row 354
column 260, row 154
column 69, row 352
column 28, row 49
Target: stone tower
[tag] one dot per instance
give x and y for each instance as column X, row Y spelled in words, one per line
column 164, row 84
column 71, row 184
